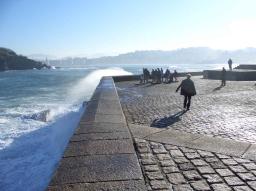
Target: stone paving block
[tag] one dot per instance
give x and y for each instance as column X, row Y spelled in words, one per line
column 170, row 147
column 176, row 178
column 205, row 170
column 229, row 162
column 238, row 168
column 148, row 161
column 158, row 184
column 154, row 175
column 249, row 166
column 176, row 153
column 181, row 160
column 241, row 160
column 221, row 156
column 103, row 118
column 233, row 181
column 252, row 184
column 213, row 178
column 192, row 175
column 166, row 163
column 151, row 168
column 242, row 188
column 109, row 107
column 221, row 187
column 159, row 151
column 192, row 155
column 199, row 162
column 205, row 153
column 247, row 176
column 211, row 159
column 146, row 156
column 99, row 147
column 163, row 157
column 224, row 172
column 217, row 164
column 144, row 149
column 131, row 185
column 186, row 166
column 101, row 127
column 170, row 169
column 253, row 171
column 97, row 168
column 182, row 187
column 187, row 150
column 100, row 136
column 200, row 185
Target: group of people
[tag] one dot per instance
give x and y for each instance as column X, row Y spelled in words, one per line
column 158, row 76
column 187, row 86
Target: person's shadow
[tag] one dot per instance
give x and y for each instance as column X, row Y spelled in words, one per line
column 167, row 121
column 218, row 88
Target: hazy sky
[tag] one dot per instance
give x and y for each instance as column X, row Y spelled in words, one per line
column 103, row 27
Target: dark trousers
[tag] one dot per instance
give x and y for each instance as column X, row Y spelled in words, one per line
column 187, row 101
column 223, row 82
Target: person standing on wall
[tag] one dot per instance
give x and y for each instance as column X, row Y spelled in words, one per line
column 188, row 90
column 230, row 62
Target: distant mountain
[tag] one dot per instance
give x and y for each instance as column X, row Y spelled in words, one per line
column 9, row 60
column 196, row 55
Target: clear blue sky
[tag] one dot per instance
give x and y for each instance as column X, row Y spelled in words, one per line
column 95, row 27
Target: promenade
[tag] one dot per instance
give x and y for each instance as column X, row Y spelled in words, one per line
column 137, row 137
column 210, row 147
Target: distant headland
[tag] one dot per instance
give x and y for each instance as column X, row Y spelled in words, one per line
column 9, row 60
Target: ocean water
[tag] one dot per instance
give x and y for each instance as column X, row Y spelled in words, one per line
column 30, row 147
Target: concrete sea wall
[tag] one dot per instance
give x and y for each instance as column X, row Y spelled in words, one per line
column 100, row 155
column 234, row 75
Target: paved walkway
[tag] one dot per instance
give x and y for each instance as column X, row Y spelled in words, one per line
column 156, row 146
column 210, row 147
column 227, row 112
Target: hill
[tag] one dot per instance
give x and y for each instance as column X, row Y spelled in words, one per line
column 194, row 55
column 9, row 60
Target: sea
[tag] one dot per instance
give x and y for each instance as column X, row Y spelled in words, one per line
column 31, row 145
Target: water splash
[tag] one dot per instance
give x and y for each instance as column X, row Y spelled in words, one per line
column 84, row 88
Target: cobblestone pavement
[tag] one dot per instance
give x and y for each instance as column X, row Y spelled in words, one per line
column 168, row 167
column 227, row 112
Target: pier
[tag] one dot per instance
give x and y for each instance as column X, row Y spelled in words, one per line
column 100, row 154
column 135, row 137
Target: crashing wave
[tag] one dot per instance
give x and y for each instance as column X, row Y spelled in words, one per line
column 40, row 116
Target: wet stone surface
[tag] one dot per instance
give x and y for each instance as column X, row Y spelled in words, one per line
column 175, row 170
column 227, row 112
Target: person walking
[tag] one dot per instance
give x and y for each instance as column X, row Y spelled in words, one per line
column 187, row 90
column 230, row 62
column 223, row 77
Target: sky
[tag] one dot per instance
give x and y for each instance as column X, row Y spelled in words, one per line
column 95, row 28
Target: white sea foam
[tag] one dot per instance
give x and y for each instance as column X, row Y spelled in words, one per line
column 80, row 91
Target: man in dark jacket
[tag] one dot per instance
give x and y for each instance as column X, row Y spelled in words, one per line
column 223, row 77
column 188, row 90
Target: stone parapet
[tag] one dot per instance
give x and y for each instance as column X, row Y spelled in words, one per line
column 234, row 75
column 100, row 155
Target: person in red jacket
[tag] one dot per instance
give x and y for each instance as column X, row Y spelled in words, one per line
column 187, row 90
